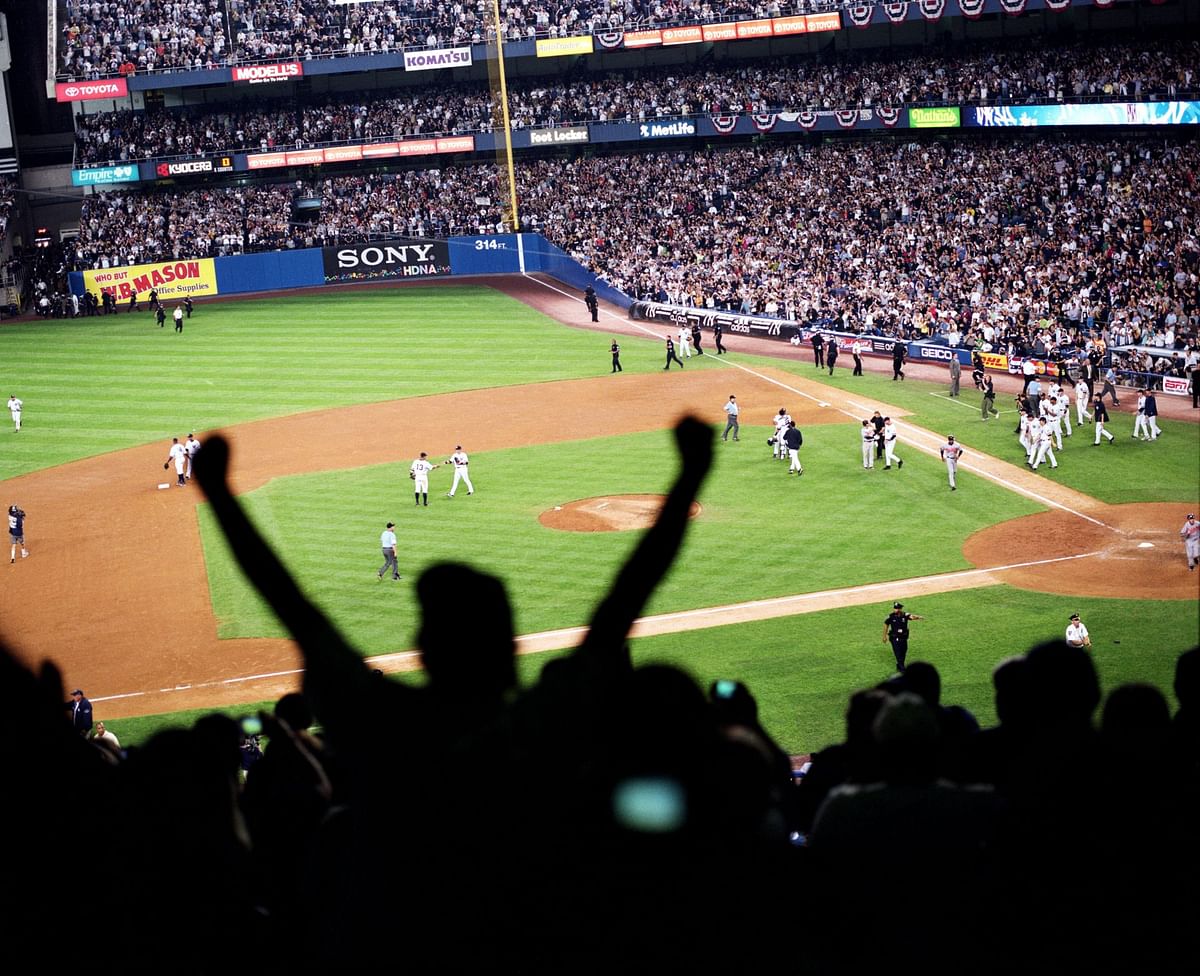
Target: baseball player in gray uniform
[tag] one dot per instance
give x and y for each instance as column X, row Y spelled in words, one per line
column 951, row 452
column 868, row 445
column 1190, row 533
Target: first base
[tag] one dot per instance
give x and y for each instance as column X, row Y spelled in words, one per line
column 164, row 485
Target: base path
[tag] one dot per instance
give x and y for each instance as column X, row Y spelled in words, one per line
column 116, row 593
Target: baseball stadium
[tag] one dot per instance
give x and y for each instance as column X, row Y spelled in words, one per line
column 881, row 608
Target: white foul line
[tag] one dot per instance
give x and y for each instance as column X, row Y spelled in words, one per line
column 950, row 399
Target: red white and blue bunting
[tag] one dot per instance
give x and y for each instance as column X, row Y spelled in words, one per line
column 724, row 124
column 860, row 15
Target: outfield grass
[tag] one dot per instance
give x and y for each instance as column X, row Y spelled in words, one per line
column 803, row 677
column 96, row 385
column 762, row 533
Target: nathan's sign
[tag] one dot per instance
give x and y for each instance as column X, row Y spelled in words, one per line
column 730, row 322
column 257, row 74
column 87, row 91
column 171, row 279
column 454, row 57
column 386, row 259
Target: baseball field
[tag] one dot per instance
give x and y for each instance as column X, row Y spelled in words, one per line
column 783, row 582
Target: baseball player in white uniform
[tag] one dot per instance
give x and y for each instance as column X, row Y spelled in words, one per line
column 178, row 454
column 868, row 445
column 459, row 460
column 1045, row 445
column 419, row 472
column 192, row 446
column 685, row 340
column 889, row 445
column 14, row 408
column 1141, row 430
column 1063, row 407
column 782, row 419
column 1028, row 436
column 951, row 452
column 1053, row 419
column 1190, row 533
column 1081, row 402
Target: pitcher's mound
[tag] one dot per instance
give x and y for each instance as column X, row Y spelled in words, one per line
column 608, row 513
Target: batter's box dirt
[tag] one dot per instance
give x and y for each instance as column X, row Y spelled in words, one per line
column 608, row 513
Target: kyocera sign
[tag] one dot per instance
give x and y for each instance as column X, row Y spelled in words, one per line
column 388, row 259
column 86, row 91
column 258, row 74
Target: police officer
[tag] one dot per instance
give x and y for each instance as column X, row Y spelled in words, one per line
column 616, row 355
column 818, row 344
column 593, row 306
column 717, row 331
column 895, row 631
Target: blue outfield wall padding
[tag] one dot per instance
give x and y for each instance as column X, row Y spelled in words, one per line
column 543, row 257
column 75, row 282
column 269, row 270
column 494, row 254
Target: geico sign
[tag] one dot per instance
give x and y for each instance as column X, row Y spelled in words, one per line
column 374, row 257
column 256, row 73
column 176, row 169
column 946, row 354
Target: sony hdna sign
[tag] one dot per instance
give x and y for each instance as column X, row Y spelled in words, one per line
column 386, row 259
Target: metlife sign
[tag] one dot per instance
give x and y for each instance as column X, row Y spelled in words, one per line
column 667, row 130
column 570, row 135
column 454, row 57
column 386, row 259
column 105, row 175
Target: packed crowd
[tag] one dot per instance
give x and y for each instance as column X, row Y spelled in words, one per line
column 102, row 37
column 8, row 199
column 1108, row 69
column 983, row 242
column 506, row 826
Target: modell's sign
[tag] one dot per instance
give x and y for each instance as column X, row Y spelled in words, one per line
column 192, row 167
column 386, row 259
column 454, row 57
column 86, row 91
column 258, row 74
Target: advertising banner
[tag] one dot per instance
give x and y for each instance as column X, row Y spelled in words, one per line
column 1112, row 113
column 105, row 175
column 305, row 157
column 682, row 35
column 720, row 32
column 194, row 167
column 782, row 26
column 646, row 38
column 379, row 149
column 935, row 118
column 557, row 47
column 667, row 130
column 451, row 144
column 1041, row 366
column 706, row 318
column 88, row 91
column 1176, row 386
column 554, row 137
column 266, row 160
column 919, row 351
column 754, row 28
column 342, row 154
column 386, row 259
column 817, row 23
column 258, row 74
column 454, row 57
column 994, row 360
column 171, row 279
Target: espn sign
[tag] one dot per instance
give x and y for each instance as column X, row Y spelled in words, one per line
column 258, row 74
column 87, row 91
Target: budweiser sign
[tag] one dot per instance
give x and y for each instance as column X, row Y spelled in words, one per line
column 258, row 74
column 86, row 91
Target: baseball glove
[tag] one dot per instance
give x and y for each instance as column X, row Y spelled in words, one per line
column 166, row 464
column 412, row 476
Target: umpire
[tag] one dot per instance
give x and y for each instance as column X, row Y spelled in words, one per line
column 895, row 630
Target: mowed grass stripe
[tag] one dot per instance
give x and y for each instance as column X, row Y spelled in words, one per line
column 93, row 385
column 762, row 533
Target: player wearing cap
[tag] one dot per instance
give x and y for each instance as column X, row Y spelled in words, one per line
column 1100, row 418
column 192, row 446
column 459, row 460
column 16, row 532
column 889, row 445
column 895, row 631
column 868, row 445
column 951, row 452
column 782, row 419
column 1043, row 438
column 387, row 542
column 1077, row 633
column 1190, row 533
column 419, row 472
column 14, row 408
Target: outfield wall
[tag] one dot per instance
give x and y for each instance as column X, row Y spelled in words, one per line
column 400, row 259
